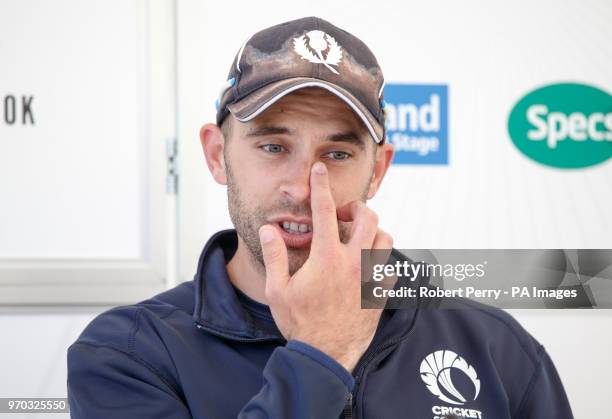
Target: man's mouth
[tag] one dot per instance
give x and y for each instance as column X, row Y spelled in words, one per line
column 296, row 232
column 295, row 228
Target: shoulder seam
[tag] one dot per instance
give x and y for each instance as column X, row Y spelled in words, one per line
column 133, row 331
column 174, row 311
column 135, row 358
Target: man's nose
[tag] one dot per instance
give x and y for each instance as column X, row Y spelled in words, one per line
column 296, row 182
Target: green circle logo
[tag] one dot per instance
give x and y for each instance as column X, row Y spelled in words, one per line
column 565, row 125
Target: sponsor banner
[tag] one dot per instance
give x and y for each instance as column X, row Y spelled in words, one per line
column 417, row 122
column 513, row 278
column 564, row 125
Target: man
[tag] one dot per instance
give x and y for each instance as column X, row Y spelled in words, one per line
column 271, row 325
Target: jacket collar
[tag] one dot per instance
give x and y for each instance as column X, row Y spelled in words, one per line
column 217, row 307
column 219, row 311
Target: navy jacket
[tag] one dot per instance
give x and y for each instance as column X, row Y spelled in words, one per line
column 205, row 350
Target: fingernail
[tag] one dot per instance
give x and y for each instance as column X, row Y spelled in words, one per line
column 266, row 235
column 319, row 168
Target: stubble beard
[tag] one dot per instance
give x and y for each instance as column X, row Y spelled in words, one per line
column 247, row 222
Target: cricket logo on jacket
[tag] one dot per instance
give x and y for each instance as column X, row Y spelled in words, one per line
column 436, row 371
column 451, row 379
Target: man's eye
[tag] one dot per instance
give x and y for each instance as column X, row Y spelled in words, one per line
column 339, row 155
column 272, row 148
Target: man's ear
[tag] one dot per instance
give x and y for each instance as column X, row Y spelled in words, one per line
column 213, row 144
column 384, row 156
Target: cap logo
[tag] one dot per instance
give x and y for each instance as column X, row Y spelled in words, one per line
column 318, row 42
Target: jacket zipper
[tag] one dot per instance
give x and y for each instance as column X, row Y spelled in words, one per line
column 363, row 363
column 347, row 412
column 236, row 337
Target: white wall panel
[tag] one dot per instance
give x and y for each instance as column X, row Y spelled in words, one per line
column 82, row 176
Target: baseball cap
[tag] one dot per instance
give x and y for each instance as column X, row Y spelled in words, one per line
column 307, row 52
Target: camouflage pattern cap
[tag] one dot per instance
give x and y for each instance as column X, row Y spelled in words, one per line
column 308, row 52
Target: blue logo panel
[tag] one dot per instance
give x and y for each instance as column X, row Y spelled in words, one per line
column 417, row 122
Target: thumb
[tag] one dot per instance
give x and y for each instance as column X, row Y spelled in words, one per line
column 274, row 255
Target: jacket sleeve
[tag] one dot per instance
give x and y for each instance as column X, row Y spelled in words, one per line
column 105, row 382
column 300, row 382
column 545, row 397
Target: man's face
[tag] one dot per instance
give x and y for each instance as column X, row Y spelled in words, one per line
column 268, row 162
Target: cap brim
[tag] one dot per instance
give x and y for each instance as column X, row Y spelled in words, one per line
column 260, row 100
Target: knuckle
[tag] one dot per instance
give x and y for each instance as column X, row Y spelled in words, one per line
column 384, row 236
column 358, row 209
column 389, row 239
column 370, row 216
column 384, row 241
column 320, row 187
column 357, row 206
column 373, row 217
column 271, row 291
column 326, row 206
column 272, row 253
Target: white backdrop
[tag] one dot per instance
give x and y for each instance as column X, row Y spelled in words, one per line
column 82, row 182
column 489, row 54
column 82, row 190
column 489, row 196
column 72, row 180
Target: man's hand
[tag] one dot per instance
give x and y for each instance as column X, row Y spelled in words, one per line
column 320, row 304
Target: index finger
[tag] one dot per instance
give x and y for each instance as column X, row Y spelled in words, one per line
column 324, row 221
column 364, row 223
